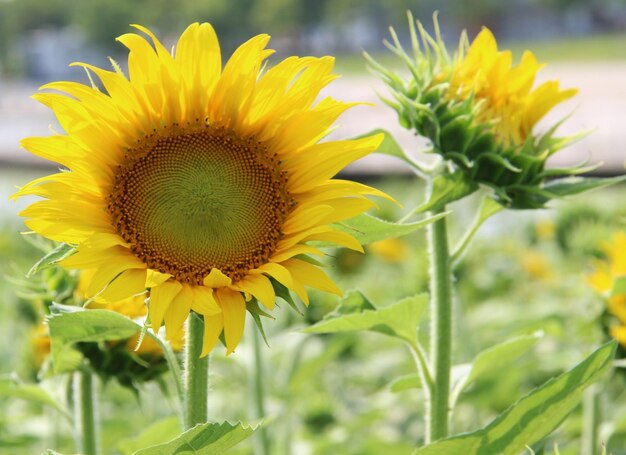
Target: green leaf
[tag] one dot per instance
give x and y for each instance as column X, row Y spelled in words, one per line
column 389, row 146
column 533, row 417
column 574, row 185
column 367, row 229
column 488, row 208
column 494, row 359
column 157, row 433
column 11, row 386
column 406, row 382
column 84, row 325
column 399, row 319
column 256, row 312
column 205, row 439
column 448, row 188
column 59, row 253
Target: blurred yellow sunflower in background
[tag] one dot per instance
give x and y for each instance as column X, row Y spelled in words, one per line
column 609, row 280
column 200, row 183
column 133, row 307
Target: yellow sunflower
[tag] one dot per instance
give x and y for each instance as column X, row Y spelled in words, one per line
column 200, row 183
column 504, row 92
column 604, row 279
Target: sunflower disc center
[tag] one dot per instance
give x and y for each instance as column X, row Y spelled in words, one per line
column 190, row 202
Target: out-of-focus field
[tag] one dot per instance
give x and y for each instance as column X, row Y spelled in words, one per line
column 332, row 395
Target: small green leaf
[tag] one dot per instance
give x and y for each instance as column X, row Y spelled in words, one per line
column 574, row 185
column 533, row 417
column 11, row 386
column 494, row 359
column 488, row 208
column 205, row 439
column 281, row 291
column 367, row 229
column 59, row 253
column 448, row 188
column 406, row 382
column 256, row 312
column 157, row 433
column 399, row 319
column 389, row 146
column 84, row 325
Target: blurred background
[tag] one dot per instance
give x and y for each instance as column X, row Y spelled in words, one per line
column 331, row 395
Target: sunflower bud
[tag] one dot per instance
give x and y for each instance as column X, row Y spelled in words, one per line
column 479, row 110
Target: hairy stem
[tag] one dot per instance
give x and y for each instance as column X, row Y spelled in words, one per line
column 85, row 405
column 196, row 383
column 591, row 421
column 259, row 393
column 441, row 328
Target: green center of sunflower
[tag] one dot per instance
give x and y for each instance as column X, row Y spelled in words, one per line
column 192, row 201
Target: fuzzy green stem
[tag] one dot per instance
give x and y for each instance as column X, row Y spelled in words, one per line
column 259, row 393
column 196, row 375
column 441, row 328
column 85, row 422
column 591, row 421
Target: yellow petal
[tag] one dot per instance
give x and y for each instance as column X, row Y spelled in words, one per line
column 234, row 311
column 261, row 288
column 213, row 325
column 161, row 297
column 295, row 251
column 155, row 278
column 177, row 312
column 204, row 301
column 216, row 279
column 330, row 158
column 311, row 275
column 128, row 283
column 87, row 258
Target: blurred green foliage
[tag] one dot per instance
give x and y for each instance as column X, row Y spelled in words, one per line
column 331, row 394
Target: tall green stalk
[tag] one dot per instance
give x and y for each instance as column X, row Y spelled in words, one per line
column 85, row 405
column 196, row 385
column 441, row 328
column 591, row 421
column 259, row 393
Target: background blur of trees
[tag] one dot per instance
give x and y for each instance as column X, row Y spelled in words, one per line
column 38, row 38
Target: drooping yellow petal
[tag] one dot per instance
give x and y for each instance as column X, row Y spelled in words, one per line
column 213, row 325
column 177, row 312
column 260, row 287
column 311, row 275
column 128, row 283
column 161, row 297
column 234, row 315
column 203, row 301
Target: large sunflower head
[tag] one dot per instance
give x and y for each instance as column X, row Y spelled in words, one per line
column 479, row 111
column 200, row 182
